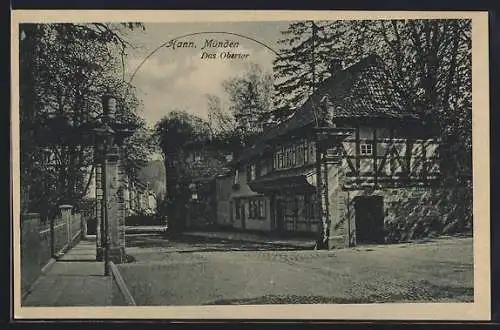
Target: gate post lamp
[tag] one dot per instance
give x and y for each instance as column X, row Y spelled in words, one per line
column 104, row 142
column 109, row 137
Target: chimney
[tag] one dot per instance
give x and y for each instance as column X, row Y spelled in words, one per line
column 336, row 65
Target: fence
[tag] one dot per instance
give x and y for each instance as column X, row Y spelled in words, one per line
column 42, row 241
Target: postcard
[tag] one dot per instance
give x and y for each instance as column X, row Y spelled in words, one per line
column 250, row 165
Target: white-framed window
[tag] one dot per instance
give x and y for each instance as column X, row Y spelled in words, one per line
column 257, row 208
column 366, row 149
column 236, row 176
column 197, row 156
column 253, row 172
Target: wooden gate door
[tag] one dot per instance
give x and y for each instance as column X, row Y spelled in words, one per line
column 369, row 219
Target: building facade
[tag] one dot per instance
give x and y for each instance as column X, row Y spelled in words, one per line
column 192, row 175
column 251, row 210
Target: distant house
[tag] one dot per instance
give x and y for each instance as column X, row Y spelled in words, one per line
column 345, row 162
column 191, row 182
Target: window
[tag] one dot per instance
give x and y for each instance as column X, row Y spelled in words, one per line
column 251, row 172
column 300, row 155
column 366, row 149
column 265, row 167
column 251, row 209
column 197, row 156
column 237, row 208
column 312, row 152
column 236, row 177
column 257, row 208
column 306, row 153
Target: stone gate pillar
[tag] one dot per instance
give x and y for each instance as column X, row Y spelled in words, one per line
column 336, row 200
column 115, row 206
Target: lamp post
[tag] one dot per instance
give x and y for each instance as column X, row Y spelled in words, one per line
column 103, row 140
column 109, row 136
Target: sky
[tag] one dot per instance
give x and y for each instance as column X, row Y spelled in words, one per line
column 180, row 79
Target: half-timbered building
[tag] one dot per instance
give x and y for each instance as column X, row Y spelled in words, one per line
column 343, row 164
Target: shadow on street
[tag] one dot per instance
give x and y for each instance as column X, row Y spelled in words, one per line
column 189, row 244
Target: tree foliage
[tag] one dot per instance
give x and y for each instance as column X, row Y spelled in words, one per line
column 250, row 103
column 178, row 134
column 64, row 71
column 178, row 129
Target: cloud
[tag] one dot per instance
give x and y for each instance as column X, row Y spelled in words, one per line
column 181, row 81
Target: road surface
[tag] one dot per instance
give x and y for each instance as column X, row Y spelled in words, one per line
column 197, row 271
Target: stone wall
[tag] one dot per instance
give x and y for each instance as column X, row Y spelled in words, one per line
column 37, row 247
column 409, row 212
column 414, row 213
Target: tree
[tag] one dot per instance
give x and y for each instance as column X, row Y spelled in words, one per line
column 178, row 134
column 250, row 99
column 64, row 70
column 221, row 119
column 174, row 133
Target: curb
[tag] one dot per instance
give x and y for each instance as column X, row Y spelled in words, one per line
column 118, row 279
column 144, row 230
column 289, row 245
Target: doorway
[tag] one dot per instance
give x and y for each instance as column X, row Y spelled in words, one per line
column 92, row 226
column 369, row 211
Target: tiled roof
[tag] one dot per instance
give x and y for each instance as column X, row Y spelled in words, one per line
column 363, row 90
column 207, row 170
column 292, row 178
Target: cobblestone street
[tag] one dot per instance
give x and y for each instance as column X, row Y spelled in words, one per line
column 194, row 271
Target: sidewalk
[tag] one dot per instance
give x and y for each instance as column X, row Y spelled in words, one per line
column 297, row 242
column 76, row 279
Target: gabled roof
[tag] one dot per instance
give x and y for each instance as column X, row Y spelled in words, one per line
column 363, row 90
